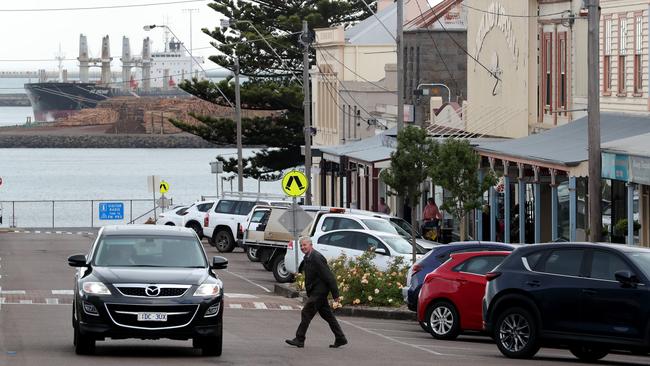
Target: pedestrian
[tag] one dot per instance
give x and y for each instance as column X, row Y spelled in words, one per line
column 431, row 217
column 383, row 207
column 319, row 282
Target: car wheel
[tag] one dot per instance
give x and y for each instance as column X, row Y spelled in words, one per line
column 83, row 344
column 425, row 326
column 251, row 253
column 280, row 272
column 516, row 333
column 212, row 346
column 197, row 229
column 224, row 241
column 589, row 353
column 444, row 322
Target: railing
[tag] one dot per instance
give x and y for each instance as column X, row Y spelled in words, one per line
column 73, row 213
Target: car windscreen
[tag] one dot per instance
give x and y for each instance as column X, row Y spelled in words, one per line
column 642, row 260
column 404, row 226
column 398, row 244
column 380, row 225
column 149, row 251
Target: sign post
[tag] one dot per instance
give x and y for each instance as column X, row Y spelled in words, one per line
column 294, row 184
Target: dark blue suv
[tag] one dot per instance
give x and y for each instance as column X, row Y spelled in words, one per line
column 589, row 298
column 437, row 256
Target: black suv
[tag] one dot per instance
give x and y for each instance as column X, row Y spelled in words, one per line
column 147, row 282
column 590, row 298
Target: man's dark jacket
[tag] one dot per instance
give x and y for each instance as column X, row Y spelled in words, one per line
column 319, row 279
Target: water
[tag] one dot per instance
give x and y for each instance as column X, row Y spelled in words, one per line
column 11, row 116
column 104, row 174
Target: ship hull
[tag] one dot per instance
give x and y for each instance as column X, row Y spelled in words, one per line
column 58, row 100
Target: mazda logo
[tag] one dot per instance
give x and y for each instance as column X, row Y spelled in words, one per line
column 152, row 291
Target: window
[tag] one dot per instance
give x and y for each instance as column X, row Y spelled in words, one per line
column 533, row 259
column 364, row 242
column 638, row 49
column 605, row 264
column 547, row 74
column 564, row 262
column 339, row 223
column 562, row 80
column 480, row 265
column 607, row 62
column 225, row 206
column 348, row 224
column 258, row 216
column 622, row 50
column 341, row 240
column 204, row 207
column 245, row 207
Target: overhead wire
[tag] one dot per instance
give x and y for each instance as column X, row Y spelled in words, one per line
column 515, row 15
column 101, row 7
column 379, row 20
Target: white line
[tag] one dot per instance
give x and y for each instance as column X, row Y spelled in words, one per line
column 2, row 300
column 69, row 233
column 13, row 292
column 62, row 292
column 48, row 232
column 260, row 305
column 235, row 306
column 58, row 232
column 80, row 233
column 240, row 296
column 286, row 307
column 249, row 281
column 37, row 232
column 33, row 303
column 26, row 301
column 52, row 301
column 27, row 232
column 393, row 339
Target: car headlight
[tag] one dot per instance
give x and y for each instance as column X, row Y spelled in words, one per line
column 208, row 289
column 96, row 288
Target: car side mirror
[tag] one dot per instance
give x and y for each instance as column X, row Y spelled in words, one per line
column 381, row 251
column 77, row 260
column 219, row 263
column 626, row 278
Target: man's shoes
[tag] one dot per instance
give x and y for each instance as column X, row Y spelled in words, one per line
column 296, row 343
column 338, row 343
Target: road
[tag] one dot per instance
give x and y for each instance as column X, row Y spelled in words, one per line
column 35, row 327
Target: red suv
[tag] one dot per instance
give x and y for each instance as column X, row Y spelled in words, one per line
column 451, row 297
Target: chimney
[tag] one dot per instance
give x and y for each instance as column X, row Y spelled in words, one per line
column 383, row 4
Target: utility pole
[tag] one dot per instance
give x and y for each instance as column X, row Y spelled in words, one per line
column 191, row 48
column 593, row 122
column 400, row 65
column 240, row 164
column 307, row 107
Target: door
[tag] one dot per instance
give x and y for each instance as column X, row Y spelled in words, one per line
column 365, row 242
column 611, row 309
column 471, row 288
column 332, row 245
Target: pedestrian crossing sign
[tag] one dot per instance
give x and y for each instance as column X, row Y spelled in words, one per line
column 294, row 183
column 164, row 187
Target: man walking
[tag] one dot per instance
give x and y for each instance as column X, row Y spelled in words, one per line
column 319, row 282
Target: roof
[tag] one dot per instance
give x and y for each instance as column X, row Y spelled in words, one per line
column 371, row 149
column 371, row 31
column 431, row 15
column 567, row 145
column 635, row 145
column 146, row 230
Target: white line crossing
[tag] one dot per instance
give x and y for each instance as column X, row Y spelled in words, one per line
column 235, row 306
column 26, row 301
column 52, row 301
column 12, row 292
column 285, row 307
column 62, row 292
column 260, row 305
column 240, row 296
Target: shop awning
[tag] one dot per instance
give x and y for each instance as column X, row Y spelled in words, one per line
column 635, row 145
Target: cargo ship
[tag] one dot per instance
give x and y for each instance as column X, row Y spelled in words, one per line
column 152, row 74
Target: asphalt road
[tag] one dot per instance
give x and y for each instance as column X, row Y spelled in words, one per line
column 35, row 326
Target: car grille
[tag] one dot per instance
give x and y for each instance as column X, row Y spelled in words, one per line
column 140, row 290
column 126, row 315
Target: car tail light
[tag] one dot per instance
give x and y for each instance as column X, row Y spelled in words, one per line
column 492, row 275
column 206, row 220
column 290, row 245
column 416, row 268
column 240, row 228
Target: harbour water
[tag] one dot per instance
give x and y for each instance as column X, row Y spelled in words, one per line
column 11, row 116
column 104, row 174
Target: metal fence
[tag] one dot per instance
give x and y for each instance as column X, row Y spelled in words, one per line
column 74, row 213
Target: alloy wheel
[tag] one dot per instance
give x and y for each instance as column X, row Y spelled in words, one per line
column 514, row 332
column 442, row 320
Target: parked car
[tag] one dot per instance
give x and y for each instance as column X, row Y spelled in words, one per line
column 147, row 282
column 193, row 217
column 451, row 297
column 173, row 217
column 590, row 298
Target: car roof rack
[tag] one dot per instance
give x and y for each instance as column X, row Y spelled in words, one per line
column 257, row 195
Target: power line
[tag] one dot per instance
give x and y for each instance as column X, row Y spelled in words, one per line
column 100, row 7
column 515, row 15
column 379, row 20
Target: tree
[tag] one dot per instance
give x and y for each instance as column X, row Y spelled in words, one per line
column 271, row 83
column 410, row 164
column 456, row 170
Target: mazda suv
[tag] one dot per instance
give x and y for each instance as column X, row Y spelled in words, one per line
column 589, row 298
column 147, row 282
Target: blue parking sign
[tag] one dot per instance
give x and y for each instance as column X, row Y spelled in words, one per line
column 111, row 211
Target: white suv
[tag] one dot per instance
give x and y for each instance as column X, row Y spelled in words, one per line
column 193, row 217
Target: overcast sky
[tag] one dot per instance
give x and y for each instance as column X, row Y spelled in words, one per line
column 37, row 35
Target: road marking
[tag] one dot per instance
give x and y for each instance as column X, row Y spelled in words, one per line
column 260, row 305
column 240, row 296
column 48, row 232
column 393, row 339
column 13, row 292
column 62, row 292
column 235, row 306
column 52, row 301
column 37, row 232
column 286, row 307
column 249, row 281
column 26, row 301
column 58, row 232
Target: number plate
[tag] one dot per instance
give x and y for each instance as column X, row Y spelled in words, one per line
column 152, row 317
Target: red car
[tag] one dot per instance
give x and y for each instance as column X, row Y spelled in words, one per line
column 451, row 296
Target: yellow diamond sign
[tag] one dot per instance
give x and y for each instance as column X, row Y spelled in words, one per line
column 294, row 183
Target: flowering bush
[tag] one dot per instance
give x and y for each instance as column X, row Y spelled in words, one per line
column 361, row 283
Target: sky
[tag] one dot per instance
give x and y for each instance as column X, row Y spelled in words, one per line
column 37, row 35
